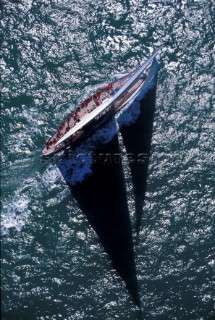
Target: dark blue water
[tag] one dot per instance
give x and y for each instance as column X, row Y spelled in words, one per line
column 59, row 261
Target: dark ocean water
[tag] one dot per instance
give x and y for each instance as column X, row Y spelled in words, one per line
column 67, row 250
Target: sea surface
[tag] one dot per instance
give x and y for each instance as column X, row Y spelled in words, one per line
column 54, row 261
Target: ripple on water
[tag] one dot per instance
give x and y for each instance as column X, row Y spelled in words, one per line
column 51, row 51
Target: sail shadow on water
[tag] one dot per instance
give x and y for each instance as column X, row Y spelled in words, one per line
column 137, row 142
column 101, row 196
column 141, row 133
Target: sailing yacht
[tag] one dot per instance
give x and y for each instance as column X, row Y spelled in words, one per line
column 96, row 109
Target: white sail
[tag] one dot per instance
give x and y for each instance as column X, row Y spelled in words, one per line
column 86, row 119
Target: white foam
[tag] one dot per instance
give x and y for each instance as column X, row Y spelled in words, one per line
column 29, row 196
column 51, row 177
column 15, row 212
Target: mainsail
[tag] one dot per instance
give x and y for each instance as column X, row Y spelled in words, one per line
column 87, row 118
